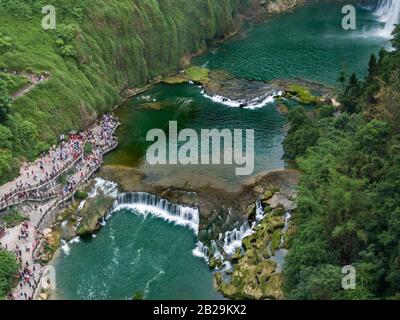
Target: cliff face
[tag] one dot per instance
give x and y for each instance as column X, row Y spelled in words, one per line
column 134, row 41
column 98, row 49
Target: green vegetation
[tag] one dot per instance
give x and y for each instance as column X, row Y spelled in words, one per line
column 302, row 94
column 5, row 101
column 88, row 149
column 93, row 211
column 254, row 275
column 98, row 49
column 80, row 195
column 349, row 195
column 138, row 296
column 13, row 82
column 63, row 178
column 197, row 74
column 8, row 270
column 12, row 218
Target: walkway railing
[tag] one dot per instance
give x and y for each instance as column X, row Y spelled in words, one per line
column 49, row 215
column 39, row 186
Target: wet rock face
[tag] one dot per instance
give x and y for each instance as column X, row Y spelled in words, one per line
column 91, row 214
column 223, row 84
column 278, row 6
column 256, row 273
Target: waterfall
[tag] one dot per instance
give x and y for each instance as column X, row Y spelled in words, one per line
column 146, row 203
column 259, row 211
column 388, row 12
column 233, row 239
column 254, row 103
column 201, row 251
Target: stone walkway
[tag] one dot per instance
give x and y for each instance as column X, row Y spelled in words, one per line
column 102, row 139
column 34, row 80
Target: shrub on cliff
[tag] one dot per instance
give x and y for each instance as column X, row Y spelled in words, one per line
column 8, row 271
column 5, row 101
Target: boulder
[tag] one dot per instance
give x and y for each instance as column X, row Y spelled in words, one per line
column 46, row 232
column 258, row 189
column 44, row 296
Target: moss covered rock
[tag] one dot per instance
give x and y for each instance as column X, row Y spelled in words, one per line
column 302, row 94
column 254, row 275
column 214, row 263
column 91, row 214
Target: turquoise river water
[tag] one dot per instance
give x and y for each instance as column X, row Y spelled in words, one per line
column 137, row 253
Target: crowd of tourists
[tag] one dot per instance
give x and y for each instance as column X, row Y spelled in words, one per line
column 23, row 251
column 52, row 164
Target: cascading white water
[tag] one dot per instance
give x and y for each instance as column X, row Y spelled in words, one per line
column 233, row 239
column 259, row 211
column 146, row 203
column 201, row 251
column 388, row 12
column 254, row 103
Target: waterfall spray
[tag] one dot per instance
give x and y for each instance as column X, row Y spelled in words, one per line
column 388, row 12
column 145, row 203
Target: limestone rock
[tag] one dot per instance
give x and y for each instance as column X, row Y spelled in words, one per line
column 258, row 189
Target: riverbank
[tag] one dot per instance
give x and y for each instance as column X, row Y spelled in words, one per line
column 74, row 161
column 37, row 177
column 85, row 60
column 182, row 190
column 224, row 88
column 176, row 210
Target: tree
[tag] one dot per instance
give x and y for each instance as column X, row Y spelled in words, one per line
column 349, row 97
column 8, row 269
column 138, row 296
column 5, row 101
column 7, row 165
column 302, row 134
column 372, row 67
column 396, row 38
column 5, row 137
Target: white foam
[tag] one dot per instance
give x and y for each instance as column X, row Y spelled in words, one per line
column 108, row 188
column 260, row 214
column 65, row 247
column 252, row 104
column 388, row 13
column 81, row 205
column 145, row 210
column 236, row 244
column 75, row 240
column 155, row 278
column 201, row 251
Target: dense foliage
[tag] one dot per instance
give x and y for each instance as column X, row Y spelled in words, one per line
column 8, row 269
column 349, row 195
column 98, row 49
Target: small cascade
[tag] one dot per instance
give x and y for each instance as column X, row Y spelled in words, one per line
column 260, row 214
column 233, row 239
column 254, row 103
column 288, row 216
column 65, row 245
column 216, row 250
column 108, row 188
column 201, row 251
column 146, row 203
